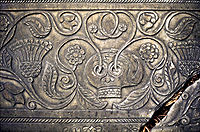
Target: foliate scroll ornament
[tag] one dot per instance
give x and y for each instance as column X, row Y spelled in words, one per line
column 71, row 54
column 164, row 79
column 154, row 54
column 110, row 25
column 88, row 99
column 55, row 87
column 87, row 70
column 56, row 83
column 146, row 22
column 7, row 30
column 29, row 53
column 67, row 22
column 185, row 23
column 154, row 90
column 151, row 50
column 38, row 27
column 106, row 27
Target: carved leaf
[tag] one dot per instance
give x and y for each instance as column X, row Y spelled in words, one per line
column 171, row 75
column 89, row 100
column 5, row 59
column 183, row 29
column 136, row 99
column 37, row 28
column 49, row 79
column 8, row 36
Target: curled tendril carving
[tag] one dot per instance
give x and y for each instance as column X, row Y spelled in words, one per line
column 111, row 26
column 184, row 26
column 67, row 22
column 100, row 65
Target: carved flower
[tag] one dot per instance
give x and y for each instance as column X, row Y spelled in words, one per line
column 93, row 28
column 75, row 54
column 149, row 52
column 4, row 22
column 68, row 21
column 147, row 20
column 122, row 27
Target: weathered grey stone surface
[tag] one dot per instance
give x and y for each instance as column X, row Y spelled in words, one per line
column 85, row 66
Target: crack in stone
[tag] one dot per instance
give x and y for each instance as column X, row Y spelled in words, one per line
column 164, row 109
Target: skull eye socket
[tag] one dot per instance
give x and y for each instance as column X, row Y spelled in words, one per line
column 115, row 71
column 100, row 72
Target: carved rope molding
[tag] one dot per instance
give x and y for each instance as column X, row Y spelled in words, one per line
column 99, row 1
column 114, row 65
column 66, row 121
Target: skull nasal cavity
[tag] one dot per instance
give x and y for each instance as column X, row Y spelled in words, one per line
column 107, row 79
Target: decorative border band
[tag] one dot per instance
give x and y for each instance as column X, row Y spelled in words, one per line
column 99, row 1
column 66, row 120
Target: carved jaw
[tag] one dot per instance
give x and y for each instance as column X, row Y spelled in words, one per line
column 110, row 92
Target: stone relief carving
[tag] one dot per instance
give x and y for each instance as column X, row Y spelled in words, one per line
column 106, row 70
column 82, row 60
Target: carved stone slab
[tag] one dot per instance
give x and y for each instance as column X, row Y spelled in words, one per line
column 81, row 66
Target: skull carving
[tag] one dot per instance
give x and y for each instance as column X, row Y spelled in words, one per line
column 109, row 81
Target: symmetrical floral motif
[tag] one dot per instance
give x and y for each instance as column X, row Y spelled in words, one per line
column 109, row 68
column 4, row 23
column 149, row 52
column 110, row 25
column 75, row 54
column 120, row 54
